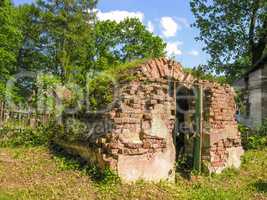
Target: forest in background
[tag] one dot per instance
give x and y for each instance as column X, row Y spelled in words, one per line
column 64, row 43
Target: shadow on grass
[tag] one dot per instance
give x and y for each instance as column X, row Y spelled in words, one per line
column 260, row 186
column 67, row 161
column 184, row 173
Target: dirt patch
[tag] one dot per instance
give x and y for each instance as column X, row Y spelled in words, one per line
column 34, row 172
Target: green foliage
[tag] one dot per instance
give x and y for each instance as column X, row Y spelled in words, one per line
column 184, row 165
column 10, row 37
column 10, row 41
column 64, row 161
column 72, row 46
column 66, row 34
column 260, row 186
column 125, row 41
column 75, row 43
column 201, row 192
column 22, row 137
column 30, row 56
column 241, row 101
column 229, row 173
column 234, row 33
column 254, row 138
column 202, row 74
column 101, row 87
column 51, row 180
column 44, row 98
column 256, row 141
column 262, row 130
column 74, row 131
column 13, row 135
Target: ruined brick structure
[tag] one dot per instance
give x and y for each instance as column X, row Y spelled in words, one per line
column 140, row 143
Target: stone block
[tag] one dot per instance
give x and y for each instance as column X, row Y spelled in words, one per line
column 158, row 167
column 129, row 137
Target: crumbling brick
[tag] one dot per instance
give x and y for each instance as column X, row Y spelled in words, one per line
column 136, row 136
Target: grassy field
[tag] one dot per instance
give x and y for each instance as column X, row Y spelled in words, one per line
column 36, row 173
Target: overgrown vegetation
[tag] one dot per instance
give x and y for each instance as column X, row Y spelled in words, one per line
column 103, row 87
column 13, row 135
column 202, row 74
column 57, row 176
column 254, row 138
column 54, row 174
column 65, row 161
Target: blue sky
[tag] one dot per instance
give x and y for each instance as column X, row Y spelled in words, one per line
column 169, row 19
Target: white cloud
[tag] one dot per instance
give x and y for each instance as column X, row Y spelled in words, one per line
column 119, row 15
column 150, row 26
column 183, row 21
column 173, row 49
column 193, row 53
column 169, row 26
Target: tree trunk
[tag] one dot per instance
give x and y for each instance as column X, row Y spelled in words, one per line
column 252, row 29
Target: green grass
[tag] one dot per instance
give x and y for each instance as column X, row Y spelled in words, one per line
column 37, row 173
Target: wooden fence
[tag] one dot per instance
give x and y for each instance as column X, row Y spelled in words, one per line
column 22, row 118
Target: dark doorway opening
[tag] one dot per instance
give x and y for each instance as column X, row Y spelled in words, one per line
column 185, row 127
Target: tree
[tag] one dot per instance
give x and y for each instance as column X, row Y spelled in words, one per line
column 137, row 42
column 64, row 38
column 31, row 56
column 118, row 43
column 234, row 33
column 66, row 34
column 10, row 37
column 10, row 41
column 76, row 43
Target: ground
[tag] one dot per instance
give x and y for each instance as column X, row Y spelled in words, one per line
column 36, row 173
